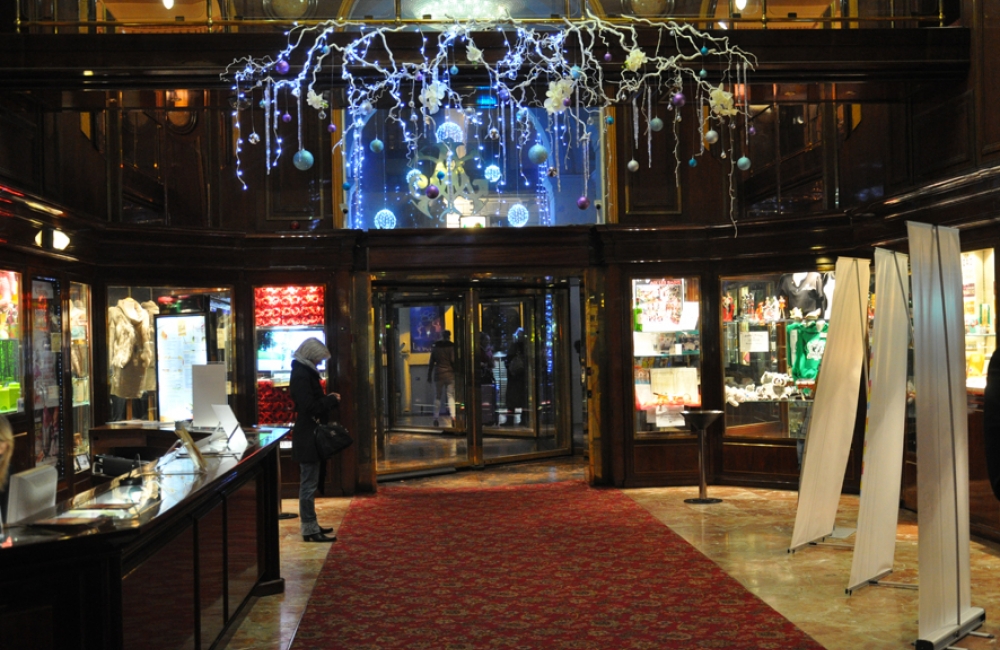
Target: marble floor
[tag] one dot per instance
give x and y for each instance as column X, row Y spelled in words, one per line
column 747, row 535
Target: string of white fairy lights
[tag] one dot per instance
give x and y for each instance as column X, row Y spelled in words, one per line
column 417, row 88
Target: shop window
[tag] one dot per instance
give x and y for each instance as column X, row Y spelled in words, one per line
column 11, row 372
column 666, row 348
column 979, row 301
column 80, row 364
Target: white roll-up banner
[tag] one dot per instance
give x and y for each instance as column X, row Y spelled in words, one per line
column 878, row 511
column 831, row 427
column 945, row 613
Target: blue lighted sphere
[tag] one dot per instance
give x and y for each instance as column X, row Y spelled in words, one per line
column 346, row 185
column 376, row 146
column 518, row 215
column 450, row 132
column 453, row 70
column 743, row 163
column 693, row 162
column 704, row 50
column 440, row 175
column 656, row 124
column 703, row 73
column 492, row 173
column 575, row 72
column 302, row 160
column 432, row 191
column 609, row 120
column 538, row 154
column 385, row 220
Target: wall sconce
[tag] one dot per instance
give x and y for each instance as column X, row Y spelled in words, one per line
column 53, row 239
column 168, row 4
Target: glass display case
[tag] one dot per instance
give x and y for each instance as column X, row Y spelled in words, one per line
column 132, row 351
column 47, row 360
column 979, row 302
column 774, row 335
column 283, row 318
column 11, row 372
column 666, row 349
column 79, row 357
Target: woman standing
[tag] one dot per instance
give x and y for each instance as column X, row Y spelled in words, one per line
column 312, row 405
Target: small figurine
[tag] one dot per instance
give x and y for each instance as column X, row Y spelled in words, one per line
column 727, row 307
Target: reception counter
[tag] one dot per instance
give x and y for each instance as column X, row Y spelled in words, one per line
column 165, row 559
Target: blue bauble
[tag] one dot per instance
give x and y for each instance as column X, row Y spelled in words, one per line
column 346, row 185
column 575, row 72
column 609, row 120
column 538, row 154
column 743, row 163
column 656, row 124
column 703, row 73
column 704, row 50
column 693, row 162
column 302, row 160
column 376, row 146
column 453, row 70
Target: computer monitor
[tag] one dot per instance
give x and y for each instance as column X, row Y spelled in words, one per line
column 208, row 387
column 31, row 492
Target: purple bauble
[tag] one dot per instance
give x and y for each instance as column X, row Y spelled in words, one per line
column 583, row 203
column 332, row 128
column 432, row 191
column 678, row 99
column 286, row 118
column 607, row 56
column 281, row 67
column 566, row 101
column 752, row 131
column 503, row 94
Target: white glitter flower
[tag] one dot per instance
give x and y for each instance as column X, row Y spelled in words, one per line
column 721, row 102
column 431, row 96
column 558, row 92
column 474, row 54
column 635, row 60
column 315, row 100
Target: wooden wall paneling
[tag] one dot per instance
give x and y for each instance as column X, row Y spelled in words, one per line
column 756, row 462
column 941, row 131
column 667, row 462
column 293, row 194
column 342, row 314
column 986, row 45
column 20, row 144
column 617, row 364
column 211, row 576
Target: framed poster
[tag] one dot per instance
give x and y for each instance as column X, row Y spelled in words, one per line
column 426, row 325
column 180, row 344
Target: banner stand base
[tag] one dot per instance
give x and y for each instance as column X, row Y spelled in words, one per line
column 944, row 637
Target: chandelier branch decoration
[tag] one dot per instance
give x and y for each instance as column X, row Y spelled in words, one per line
column 571, row 70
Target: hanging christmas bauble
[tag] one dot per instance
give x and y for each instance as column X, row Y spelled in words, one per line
column 609, row 120
column 494, row 134
column 703, row 73
column 692, row 162
column 432, row 191
column 253, row 138
column 583, row 203
column 752, row 131
column 678, row 99
column 704, row 50
column 656, row 124
column 711, row 136
column 518, row 215
column 440, row 174
column 607, row 57
column 633, row 165
column 453, row 70
column 492, row 173
column 376, row 146
column 286, row 118
column 302, row 160
column 281, row 67
column 743, row 163
column 538, row 154
column 385, row 220
column 346, row 185
column 575, row 72
column 332, row 128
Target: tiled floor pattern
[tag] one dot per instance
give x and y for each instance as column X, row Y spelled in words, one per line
column 747, row 535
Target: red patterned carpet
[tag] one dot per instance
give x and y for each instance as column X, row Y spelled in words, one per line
column 553, row 566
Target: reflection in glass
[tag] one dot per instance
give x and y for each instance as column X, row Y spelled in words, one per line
column 47, row 360
column 10, row 343
column 80, row 361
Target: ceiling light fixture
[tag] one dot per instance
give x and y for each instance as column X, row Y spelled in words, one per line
column 168, row 4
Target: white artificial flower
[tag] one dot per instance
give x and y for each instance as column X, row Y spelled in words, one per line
column 474, row 54
column 635, row 60
column 431, row 96
column 721, row 102
column 315, row 100
column 558, row 91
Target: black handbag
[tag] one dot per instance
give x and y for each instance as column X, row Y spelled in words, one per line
column 331, row 439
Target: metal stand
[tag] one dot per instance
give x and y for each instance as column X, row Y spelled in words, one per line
column 281, row 513
column 698, row 421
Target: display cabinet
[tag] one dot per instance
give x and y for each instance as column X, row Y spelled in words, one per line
column 284, row 317
column 666, row 348
column 47, row 366
column 11, row 372
column 80, row 364
column 774, row 335
column 979, row 303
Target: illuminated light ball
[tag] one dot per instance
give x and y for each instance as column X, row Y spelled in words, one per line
column 538, row 154
column 752, row 131
column 656, row 124
column 575, row 72
column 450, row 132
column 281, row 67
column 583, row 203
column 743, row 163
column 440, row 175
column 503, row 94
column 494, row 134
column 678, row 99
column 711, row 136
column 609, row 120
column 376, row 146
column 703, row 73
column 492, row 173
column 432, row 191
column 453, row 70
column 692, row 162
column 704, row 50
column 302, row 160
column 607, row 57
column 253, row 138
column 346, row 185
column 332, row 128
column 385, row 220
column 633, row 165
column 518, row 215
column 286, row 118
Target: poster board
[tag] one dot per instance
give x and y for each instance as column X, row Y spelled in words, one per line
column 181, row 342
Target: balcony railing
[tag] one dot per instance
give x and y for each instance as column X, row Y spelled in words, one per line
column 221, row 16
